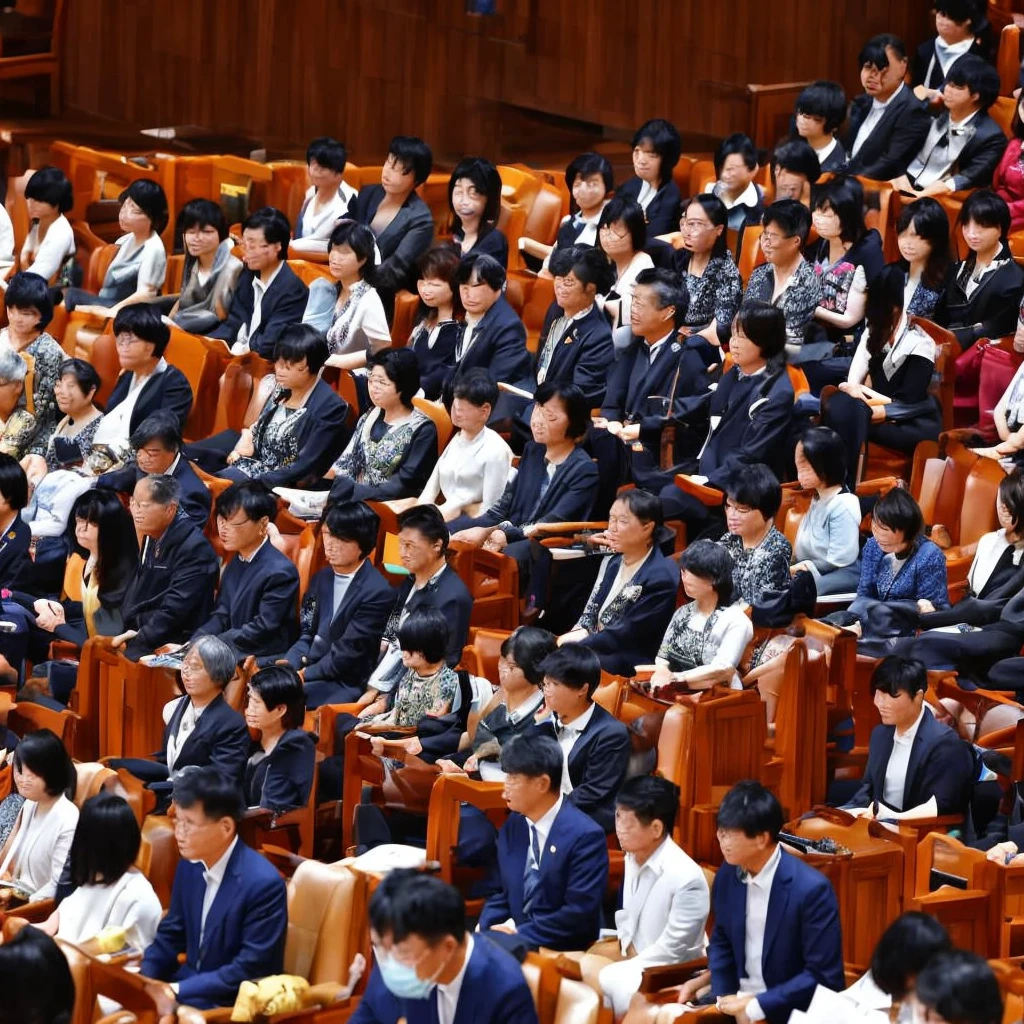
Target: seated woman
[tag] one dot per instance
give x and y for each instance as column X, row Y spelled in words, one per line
column 820, row 112
column 349, row 312
column 621, row 236
column 279, row 774
column 957, row 31
column 49, row 248
column 794, row 169
column 474, row 199
column 922, row 233
column 635, row 593
column 1008, row 180
column 437, row 330
column 759, row 552
column 707, row 270
column 17, row 424
column 706, row 638
column 401, row 222
column 15, row 536
column 33, row 857
column 110, row 892
column 827, row 541
column 137, row 271
column 211, row 271
column 656, row 151
column 983, row 292
column 737, row 162
column 885, row 399
column 328, row 198
column 474, row 466
column 590, row 182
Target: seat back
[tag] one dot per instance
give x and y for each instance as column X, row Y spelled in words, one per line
column 535, row 308
column 487, row 647
column 107, row 365
column 201, row 363
column 978, row 510
column 406, row 306
column 751, row 253
column 493, row 580
column 28, row 716
column 91, row 777
column 577, row 1003
column 96, row 271
column 234, row 393
column 1002, row 112
column 1008, row 59
column 440, row 418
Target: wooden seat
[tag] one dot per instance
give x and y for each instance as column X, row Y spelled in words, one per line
column 439, row 417
column 407, row 305
column 202, row 362
column 1008, row 59
column 493, row 580
column 28, row 716
column 485, row 645
column 35, row 60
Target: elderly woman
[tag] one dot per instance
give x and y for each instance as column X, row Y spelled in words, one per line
column 17, row 425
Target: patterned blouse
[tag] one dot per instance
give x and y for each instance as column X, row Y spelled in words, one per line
column 377, row 450
column 756, row 570
column 82, row 440
column 274, row 441
column 595, row 618
column 44, row 358
column 798, row 300
column 17, row 433
column 715, row 295
column 418, row 696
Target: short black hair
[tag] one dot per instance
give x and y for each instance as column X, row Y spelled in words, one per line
column 825, row 451
column 631, row 214
column 823, row 99
column 646, row 506
column 50, row 185
column 574, row 401
column 274, row 225
column 144, row 321
column 328, row 153
column 480, row 268
column 107, row 841
column 716, row 212
column 485, row 179
column 765, row 325
column 353, row 521
column 303, row 341
column 402, row 368
column 528, row 646
column 711, row 562
column 669, row 289
column 844, row 196
column 218, row 794
column 977, row 75
column 359, row 238
column 477, row 387
column 792, row 218
column 904, row 948
column 798, row 157
column 84, row 373
column 26, row 290
column 201, row 213
column 957, row 10
column 151, row 199
column 755, row 486
column 162, row 426
column 664, row 139
column 534, row 755
column 1011, row 494
column 588, row 263
column 739, row 145
column 425, row 631
column 278, row 685
column 409, row 902
column 413, row 154
column 931, row 222
column 875, row 50
column 897, row 510
column 575, row 666
column 43, row 754
column 960, row 987
column 163, row 490
column 587, row 164
column 650, row 798
column 13, row 482
column 751, row 809
column 426, row 520
column 253, row 497
column 895, row 675
column 986, row 209
column 36, row 980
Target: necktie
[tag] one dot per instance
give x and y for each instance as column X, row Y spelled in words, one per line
column 531, row 877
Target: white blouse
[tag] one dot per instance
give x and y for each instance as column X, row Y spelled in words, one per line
column 469, row 472
column 987, row 554
column 624, row 288
column 313, row 230
column 46, row 258
column 39, row 846
column 129, row 903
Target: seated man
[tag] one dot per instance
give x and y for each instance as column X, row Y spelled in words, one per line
column 768, row 955
column 228, row 912
column 427, row 967
column 917, row 767
column 552, row 858
column 147, row 382
column 172, row 590
column 795, row 168
column 344, row 612
column 157, row 446
column 269, row 296
column 964, row 145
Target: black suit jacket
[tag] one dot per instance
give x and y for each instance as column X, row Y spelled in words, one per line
column 257, row 606
column 281, row 781
column 436, row 363
column 449, row 595
column 195, row 495
column 662, row 213
column 168, row 391
column 993, row 308
column 498, row 345
column 172, row 590
column 220, row 739
column 282, row 306
column 14, row 554
column 979, row 158
column 897, row 137
column 922, row 59
column 583, row 354
column 402, row 242
column 941, row 765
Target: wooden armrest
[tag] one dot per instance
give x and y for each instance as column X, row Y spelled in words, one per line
column 262, row 816
column 569, row 967
column 552, row 528
column 534, row 248
column 34, row 913
column 378, row 729
column 655, row 978
column 710, row 496
column 284, row 860
column 880, row 485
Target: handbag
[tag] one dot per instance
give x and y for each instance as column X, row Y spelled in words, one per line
column 778, row 608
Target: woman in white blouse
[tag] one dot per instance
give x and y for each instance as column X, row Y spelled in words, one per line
column 349, row 310
column 50, row 242
column 327, row 199
column 110, row 891
column 33, row 857
column 622, row 235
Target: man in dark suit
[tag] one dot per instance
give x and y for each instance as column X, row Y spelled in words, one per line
column 955, row 25
column 345, row 610
column 157, row 446
column 964, row 145
column 172, row 590
column 777, row 934
column 917, row 767
column 553, row 858
column 888, row 122
column 228, row 912
column 269, row 296
column 428, row 968
column 147, row 383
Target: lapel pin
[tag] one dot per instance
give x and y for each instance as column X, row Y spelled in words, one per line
column 552, row 850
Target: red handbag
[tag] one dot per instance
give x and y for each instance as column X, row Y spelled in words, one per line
column 998, row 365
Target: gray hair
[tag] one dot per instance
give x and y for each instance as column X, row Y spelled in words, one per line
column 218, row 659
column 12, row 367
column 163, row 490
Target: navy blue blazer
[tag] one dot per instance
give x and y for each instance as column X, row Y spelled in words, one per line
column 436, row 363
column 14, row 553
column 598, row 763
column 257, row 606
column 897, row 137
column 494, row 991
column 244, row 934
column 402, row 242
column 219, row 740
column 663, row 210
column 565, row 912
column 582, row 354
column 498, row 346
column 282, row 306
column 490, row 242
column 281, row 781
column 450, row 596
column 993, row 307
column 803, row 944
column 196, row 499
column 922, row 59
column 941, row 765
column 169, row 390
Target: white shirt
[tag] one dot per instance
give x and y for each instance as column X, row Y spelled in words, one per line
column 899, row 761
column 759, row 890
column 317, row 222
column 213, row 876
column 468, row 336
column 645, row 195
column 653, row 350
column 748, row 197
column 469, row 471
column 826, row 151
column 871, row 121
column 947, row 55
column 543, row 826
column 990, row 549
column 189, row 720
column 115, row 427
column 624, row 287
column 567, row 737
column 46, row 258
column 448, row 995
column 241, row 557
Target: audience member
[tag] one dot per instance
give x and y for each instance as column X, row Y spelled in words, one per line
column 71, row 441
column 958, row 987
column 794, row 170
column 737, row 162
column 15, row 536
column 36, row 980
column 17, row 424
column 1008, row 180
column 590, row 182
column 820, row 112
column 437, row 331
column 49, row 248
column 622, row 236
column 328, row 198
column 656, row 151
column 935, row 58
column 474, row 199
column 922, row 233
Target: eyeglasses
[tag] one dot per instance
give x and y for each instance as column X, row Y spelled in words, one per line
column 741, row 510
column 189, row 668
column 221, row 521
column 607, row 229
column 771, row 238
column 695, row 225
column 151, row 453
column 184, row 827
column 142, row 506
column 127, row 340
column 379, row 382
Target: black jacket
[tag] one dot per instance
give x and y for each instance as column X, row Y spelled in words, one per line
column 663, row 210
column 281, row 781
column 583, row 354
column 498, row 345
column 897, row 137
column 282, row 306
column 923, row 60
column 979, row 158
column 449, row 595
column 195, row 495
column 436, row 363
column 169, row 390
column 993, row 308
column 14, row 554
column 219, row 740
column 402, row 242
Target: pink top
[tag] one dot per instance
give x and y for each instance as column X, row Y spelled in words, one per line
column 1008, row 182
